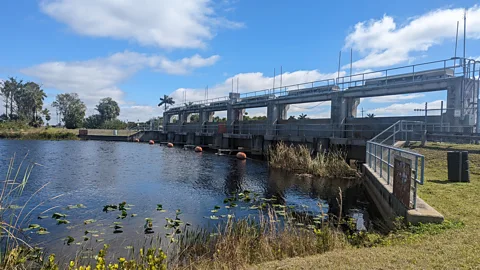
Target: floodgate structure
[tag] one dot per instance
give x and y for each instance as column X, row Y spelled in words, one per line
column 375, row 142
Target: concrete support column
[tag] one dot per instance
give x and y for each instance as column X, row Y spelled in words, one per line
column 166, row 120
column 342, row 108
column 205, row 116
column 275, row 112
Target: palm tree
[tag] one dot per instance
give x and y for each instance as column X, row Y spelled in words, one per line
column 302, row 116
column 189, row 104
column 370, row 115
column 166, row 100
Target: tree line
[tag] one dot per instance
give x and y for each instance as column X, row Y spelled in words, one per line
column 24, row 101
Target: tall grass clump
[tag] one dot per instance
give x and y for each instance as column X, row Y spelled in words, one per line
column 299, row 160
column 247, row 241
column 15, row 251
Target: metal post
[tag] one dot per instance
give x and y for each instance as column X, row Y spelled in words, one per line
column 381, row 161
column 455, row 58
column 415, row 184
column 375, row 158
column 339, row 60
column 441, row 116
column 388, row 167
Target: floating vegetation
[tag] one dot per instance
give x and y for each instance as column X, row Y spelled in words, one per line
column 160, row 208
column 148, row 227
column 42, row 217
column 69, row 240
column 122, row 215
column 13, row 206
column 110, row 207
column 58, row 215
column 133, row 215
column 62, row 221
column 89, row 221
column 31, row 227
column 42, row 230
column 76, row 206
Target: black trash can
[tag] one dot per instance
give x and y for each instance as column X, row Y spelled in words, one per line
column 458, row 169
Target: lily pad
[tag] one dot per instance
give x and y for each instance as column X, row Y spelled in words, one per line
column 42, row 217
column 88, row 221
column 69, row 240
column 62, row 221
column 58, row 215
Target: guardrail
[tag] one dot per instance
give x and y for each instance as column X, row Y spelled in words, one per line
column 435, row 70
column 381, row 152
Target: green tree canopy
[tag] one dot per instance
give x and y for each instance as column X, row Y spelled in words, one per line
column 108, row 109
column 166, row 100
column 71, row 108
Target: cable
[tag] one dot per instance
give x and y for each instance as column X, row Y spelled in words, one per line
column 309, row 108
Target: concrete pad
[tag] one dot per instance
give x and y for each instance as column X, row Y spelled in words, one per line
column 388, row 204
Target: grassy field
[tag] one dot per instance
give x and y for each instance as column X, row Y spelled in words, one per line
column 43, row 133
column 450, row 249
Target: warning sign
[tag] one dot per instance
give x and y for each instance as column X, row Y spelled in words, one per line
column 402, row 179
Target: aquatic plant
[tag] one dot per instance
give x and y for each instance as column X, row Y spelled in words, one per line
column 13, row 215
column 298, row 159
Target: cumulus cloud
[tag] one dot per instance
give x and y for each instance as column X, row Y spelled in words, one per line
column 394, row 98
column 161, row 23
column 384, row 43
column 406, row 109
column 98, row 78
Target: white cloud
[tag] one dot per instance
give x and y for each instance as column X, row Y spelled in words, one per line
column 384, row 43
column 406, row 109
column 98, row 78
column 394, row 98
column 162, row 23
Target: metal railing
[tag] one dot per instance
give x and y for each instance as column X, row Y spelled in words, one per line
column 382, row 150
column 435, row 70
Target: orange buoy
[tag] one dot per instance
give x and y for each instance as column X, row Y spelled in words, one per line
column 137, row 140
column 170, row 145
column 151, row 142
column 198, row 149
column 241, row 156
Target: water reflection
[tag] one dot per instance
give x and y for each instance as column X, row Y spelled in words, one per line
column 99, row 173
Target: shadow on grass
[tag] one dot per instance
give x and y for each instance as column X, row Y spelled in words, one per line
column 443, row 182
column 444, row 148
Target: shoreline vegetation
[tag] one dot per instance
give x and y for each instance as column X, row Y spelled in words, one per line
column 277, row 235
column 298, row 159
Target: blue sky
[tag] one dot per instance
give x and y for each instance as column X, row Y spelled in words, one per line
column 137, row 50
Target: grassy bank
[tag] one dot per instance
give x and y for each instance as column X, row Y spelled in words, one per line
column 443, row 249
column 278, row 241
column 39, row 134
column 298, row 159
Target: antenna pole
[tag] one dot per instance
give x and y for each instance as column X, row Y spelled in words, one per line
column 339, row 60
column 237, row 83
column 456, row 45
column 273, row 89
column 351, row 63
column 464, row 40
column 281, row 74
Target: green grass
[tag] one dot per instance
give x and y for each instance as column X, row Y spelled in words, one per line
column 451, row 247
column 39, row 134
column 24, row 132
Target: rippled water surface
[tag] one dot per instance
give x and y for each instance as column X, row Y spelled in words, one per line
column 95, row 173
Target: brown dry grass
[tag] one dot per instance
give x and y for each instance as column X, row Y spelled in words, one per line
column 450, row 249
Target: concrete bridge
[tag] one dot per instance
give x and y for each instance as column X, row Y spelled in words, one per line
column 459, row 77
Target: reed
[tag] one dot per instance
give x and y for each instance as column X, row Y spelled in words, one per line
column 299, row 160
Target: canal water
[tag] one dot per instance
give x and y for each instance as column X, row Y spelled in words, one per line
column 95, row 174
